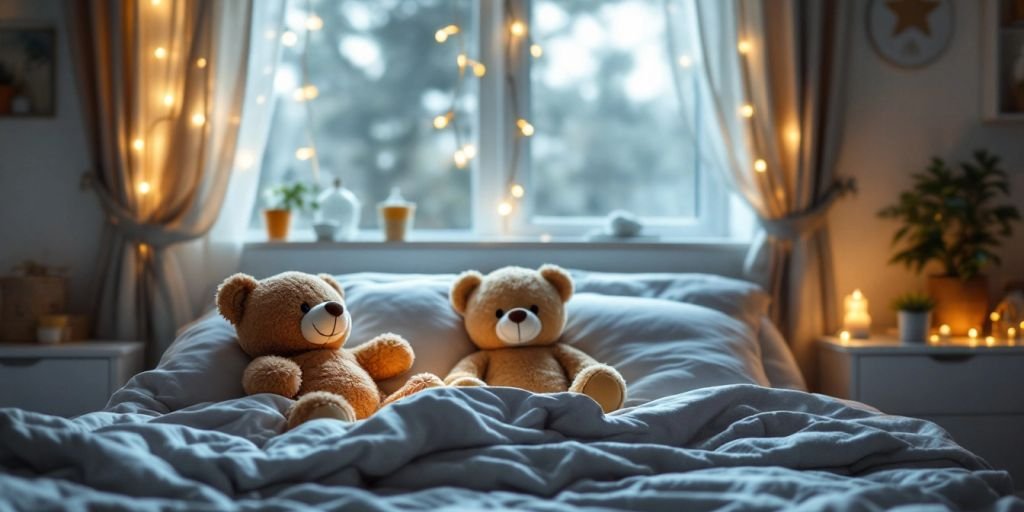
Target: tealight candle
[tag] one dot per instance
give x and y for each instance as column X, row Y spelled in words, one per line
column 857, row 320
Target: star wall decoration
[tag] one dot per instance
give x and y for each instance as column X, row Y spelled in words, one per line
column 910, row 33
column 911, row 14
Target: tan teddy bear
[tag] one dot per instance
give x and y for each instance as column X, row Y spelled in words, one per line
column 294, row 325
column 516, row 316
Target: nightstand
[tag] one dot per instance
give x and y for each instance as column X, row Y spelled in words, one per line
column 974, row 392
column 65, row 379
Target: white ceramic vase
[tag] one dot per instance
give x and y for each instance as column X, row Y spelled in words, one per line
column 339, row 205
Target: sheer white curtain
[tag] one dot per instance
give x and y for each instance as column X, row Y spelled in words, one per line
column 217, row 255
column 771, row 83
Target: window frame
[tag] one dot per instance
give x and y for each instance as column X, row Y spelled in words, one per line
column 496, row 137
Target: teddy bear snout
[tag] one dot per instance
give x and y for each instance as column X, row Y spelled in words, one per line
column 518, row 327
column 517, row 316
column 334, row 308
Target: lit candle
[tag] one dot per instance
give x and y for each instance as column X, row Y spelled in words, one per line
column 844, row 336
column 857, row 320
column 972, row 333
column 990, row 340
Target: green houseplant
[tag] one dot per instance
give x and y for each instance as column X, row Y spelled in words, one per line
column 282, row 199
column 955, row 217
column 915, row 311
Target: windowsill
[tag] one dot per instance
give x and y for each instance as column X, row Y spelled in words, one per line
column 304, row 239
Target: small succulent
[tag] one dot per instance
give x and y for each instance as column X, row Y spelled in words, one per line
column 913, row 301
column 292, row 196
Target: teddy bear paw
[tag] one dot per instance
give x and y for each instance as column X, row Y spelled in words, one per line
column 603, row 384
column 414, row 385
column 317, row 405
column 463, row 382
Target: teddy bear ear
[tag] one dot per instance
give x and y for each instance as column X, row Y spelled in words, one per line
column 333, row 283
column 462, row 287
column 231, row 295
column 558, row 278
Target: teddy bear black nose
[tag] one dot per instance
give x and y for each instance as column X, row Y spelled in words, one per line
column 517, row 316
column 334, row 308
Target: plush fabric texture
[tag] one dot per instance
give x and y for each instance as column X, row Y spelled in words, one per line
column 739, row 447
column 665, row 333
column 515, row 316
column 297, row 355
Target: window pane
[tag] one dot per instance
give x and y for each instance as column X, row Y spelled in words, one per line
column 380, row 78
column 609, row 129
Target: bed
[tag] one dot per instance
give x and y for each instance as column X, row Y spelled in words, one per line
column 717, row 417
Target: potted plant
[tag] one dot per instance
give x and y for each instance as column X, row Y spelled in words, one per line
column 915, row 316
column 954, row 218
column 282, row 200
column 7, row 89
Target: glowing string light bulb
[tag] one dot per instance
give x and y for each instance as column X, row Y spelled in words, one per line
column 504, row 208
column 144, row 187
column 304, row 153
column 307, row 92
column 443, row 34
column 536, row 51
column 460, row 158
column 517, row 191
column 469, row 150
column 198, row 119
column 517, row 28
column 138, row 144
column 479, row 69
column 289, row 38
column 685, row 61
column 314, row 22
column 525, row 127
column 747, row 110
column 160, row 52
column 760, row 165
column 200, row 63
column 972, row 333
column 168, row 99
column 743, row 46
column 441, row 121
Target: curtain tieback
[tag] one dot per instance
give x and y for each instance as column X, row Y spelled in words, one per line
column 154, row 235
column 806, row 222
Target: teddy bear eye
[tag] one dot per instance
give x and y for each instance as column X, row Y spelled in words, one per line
column 499, row 313
column 535, row 309
column 305, row 308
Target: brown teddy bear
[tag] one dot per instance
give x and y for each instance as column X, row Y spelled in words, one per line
column 294, row 325
column 516, row 316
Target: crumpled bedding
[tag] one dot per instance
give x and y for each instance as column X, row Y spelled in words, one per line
column 741, row 445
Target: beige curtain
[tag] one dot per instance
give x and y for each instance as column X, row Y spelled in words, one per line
column 162, row 83
column 775, row 78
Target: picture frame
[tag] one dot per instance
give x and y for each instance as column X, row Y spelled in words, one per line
column 28, row 65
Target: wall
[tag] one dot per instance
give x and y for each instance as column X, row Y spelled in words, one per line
column 896, row 120
column 44, row 215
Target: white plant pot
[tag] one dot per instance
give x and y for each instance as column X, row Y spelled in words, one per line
column 914, row 326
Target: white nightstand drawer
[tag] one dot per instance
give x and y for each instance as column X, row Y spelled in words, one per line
column 951, row 384
column 65, row 387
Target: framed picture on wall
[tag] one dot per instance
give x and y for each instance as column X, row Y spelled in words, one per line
column 27, row 71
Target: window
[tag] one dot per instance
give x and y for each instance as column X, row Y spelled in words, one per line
column 580, row 109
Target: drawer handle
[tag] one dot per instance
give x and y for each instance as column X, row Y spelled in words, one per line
column 951, row 358
column 19, row 361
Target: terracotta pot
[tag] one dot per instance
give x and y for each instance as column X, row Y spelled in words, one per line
column 279, row 223
column 959, row 304
column 6, row 95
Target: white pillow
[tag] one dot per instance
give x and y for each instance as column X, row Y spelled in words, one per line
column 663, row 348
column 671, row 348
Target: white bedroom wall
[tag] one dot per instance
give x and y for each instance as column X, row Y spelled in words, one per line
column 895, row 121
column 45, row 216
